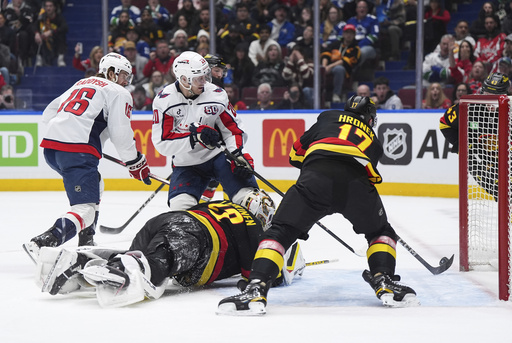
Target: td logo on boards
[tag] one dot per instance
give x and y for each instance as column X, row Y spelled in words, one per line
column 18, row 145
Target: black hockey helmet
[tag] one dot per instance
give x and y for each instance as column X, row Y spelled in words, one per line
column 496, row 83
column 362, row 106
column 215, row 61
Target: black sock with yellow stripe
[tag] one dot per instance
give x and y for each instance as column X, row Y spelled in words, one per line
column 382, row 255
column 268, row 261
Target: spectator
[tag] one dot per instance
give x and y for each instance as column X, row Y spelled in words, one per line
column 189, row 11
column 8, row 61
column 364, row 90
column 92, row 62
column 202, row 38
column 304, row 20
column 459, row 90
column 281, row 29
column 141, row 102
column 461, row 62
column 204, row 22
column 331, row 29
column 304, row 43
column 298, row 69
column 340, row 58
column 242, row 67
column 293, row 99
column 507, row 51
column 118, row 33
column 160, row 14
column 367, row 31
column 51, row 29
column 477, row 28
column 258, row 48
column 461, row 33
column 234, row 98
column 264, row 95
column 506, row 23
column 7, row 100
column 436, row 64
column 138, row 63
column 261, row 11
column 21, row 17
column 435, row 98
column 155, row 85
column 247, row 26
column 160, row 60
column 477, row 76
column 386, row 98
column 437, row 18
column 179, row 43
column 126, row 5
column 142, row 46
column 270, row 70
column 148, row 30
column 504, row 66
column 183, row 25
column 229, row 40
column 489, row 47
column 391, row 29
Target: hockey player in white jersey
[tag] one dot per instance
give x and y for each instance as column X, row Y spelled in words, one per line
column 79, row 122
column 190, row 118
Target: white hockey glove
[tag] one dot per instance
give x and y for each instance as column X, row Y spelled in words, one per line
column 139, row 168
column 205, row 135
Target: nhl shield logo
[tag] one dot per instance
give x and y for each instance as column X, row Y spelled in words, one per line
column 395, row 145
column 396, row 141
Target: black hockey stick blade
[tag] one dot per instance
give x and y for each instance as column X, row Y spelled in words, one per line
column 444, row 264
column 116, row 230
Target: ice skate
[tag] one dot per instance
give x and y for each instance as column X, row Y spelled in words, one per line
column 390, row 291
column 46, row 239
column 251, row 302
column 86, row 237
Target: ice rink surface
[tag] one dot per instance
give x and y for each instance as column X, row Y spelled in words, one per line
column 329, row 303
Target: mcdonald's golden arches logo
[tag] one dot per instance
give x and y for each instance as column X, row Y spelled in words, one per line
column 278, row 138
column 142, row 134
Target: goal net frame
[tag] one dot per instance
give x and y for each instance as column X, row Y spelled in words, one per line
column 500, row 227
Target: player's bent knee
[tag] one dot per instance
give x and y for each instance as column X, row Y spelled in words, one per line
column 86, row 211
column 182, row 202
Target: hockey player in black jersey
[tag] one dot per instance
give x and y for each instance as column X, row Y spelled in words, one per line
column 480, row 166
column 338, row 159
column 211, row 241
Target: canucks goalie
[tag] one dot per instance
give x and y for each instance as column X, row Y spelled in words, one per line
column 211, row 241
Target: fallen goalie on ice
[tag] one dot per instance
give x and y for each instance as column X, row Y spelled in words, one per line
column 211, row 241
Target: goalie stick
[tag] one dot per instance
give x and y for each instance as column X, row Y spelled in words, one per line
column 444, row 263
column 119, row 229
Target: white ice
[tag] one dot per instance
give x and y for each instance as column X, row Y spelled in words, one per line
column 330, row 303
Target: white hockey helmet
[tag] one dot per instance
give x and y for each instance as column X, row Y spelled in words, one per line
column 192, row 66
column 118, row 62
column 261, row 205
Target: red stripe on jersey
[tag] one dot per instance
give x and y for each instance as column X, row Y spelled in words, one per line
column 231, row 125
column 297, row 146
column 70, row 147
column 168, row 127
column 223, row 245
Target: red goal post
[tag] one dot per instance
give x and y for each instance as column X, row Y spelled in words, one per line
column 484, row 186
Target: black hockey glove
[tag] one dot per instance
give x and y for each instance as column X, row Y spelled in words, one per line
column 243, row 165
column 205, row 135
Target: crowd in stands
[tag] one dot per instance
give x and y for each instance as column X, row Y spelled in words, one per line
column 268, row 45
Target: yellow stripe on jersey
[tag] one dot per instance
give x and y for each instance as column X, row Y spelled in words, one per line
column 214, row 255
column 378, row 247
column 340, row 149
column 295, row 157
column 272, row 255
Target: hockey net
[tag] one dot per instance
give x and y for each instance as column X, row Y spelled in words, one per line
column 484, row 181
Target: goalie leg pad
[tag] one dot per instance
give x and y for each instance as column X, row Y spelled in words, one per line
column 294, row 264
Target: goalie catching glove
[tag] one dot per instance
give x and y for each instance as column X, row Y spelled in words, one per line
column 205, row 135
column 139, row 168
column 243, row 165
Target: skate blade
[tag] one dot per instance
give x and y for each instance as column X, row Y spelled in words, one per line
column 409, row 300
column 229, row 309
column 32, row 251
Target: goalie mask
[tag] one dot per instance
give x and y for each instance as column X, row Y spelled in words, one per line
column 364, row 107
column 496, row 83
column 118, row 63
column 261, row 205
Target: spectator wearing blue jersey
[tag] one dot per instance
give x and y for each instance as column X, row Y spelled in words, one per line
column 126, row 5
column 282, row 30
column 331, row 29
column 367, row 31
column 160, row 14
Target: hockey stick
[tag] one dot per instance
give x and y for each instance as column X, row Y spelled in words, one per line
column 118, row 161
column 265, row 181
column 444, row 264
column 116, row 230
column 316, row 263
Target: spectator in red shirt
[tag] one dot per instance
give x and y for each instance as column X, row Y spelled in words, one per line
column 437, row 19
column 141, row 102
column 90, row 63
column 160, row 60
